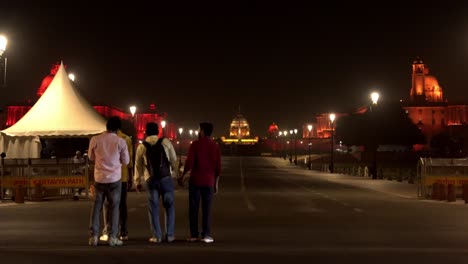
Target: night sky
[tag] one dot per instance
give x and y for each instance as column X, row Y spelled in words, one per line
column 281, row 62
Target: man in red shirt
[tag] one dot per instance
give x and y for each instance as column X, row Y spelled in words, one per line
column 204, row 164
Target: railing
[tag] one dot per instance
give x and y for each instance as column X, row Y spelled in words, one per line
column 42, row 178
column 442, row 172
column 385, row 170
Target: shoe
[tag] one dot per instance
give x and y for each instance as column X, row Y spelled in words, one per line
column 113, row 241
column 93, row 241
column 124, row 238
column 104, row 237
column 192, row 239
column 207, row 239
column 170, row 239
column 154, row 240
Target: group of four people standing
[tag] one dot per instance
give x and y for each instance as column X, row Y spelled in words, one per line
column 111, row 154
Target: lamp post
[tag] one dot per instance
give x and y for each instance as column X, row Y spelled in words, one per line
column 133, row 111
column 374, row 98
column 291, row 132
column 332, row 138
column 278, row 143
column 163, row 125
column 309, row 164
column 3, row 44
column 180, row 146
column 285, row 133
column 295, row 147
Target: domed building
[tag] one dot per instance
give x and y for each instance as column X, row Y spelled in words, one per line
column 425, row 87
column 239, row 127
column 239, row 132
column 273, row 130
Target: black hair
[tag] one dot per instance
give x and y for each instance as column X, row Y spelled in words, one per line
column 152, row 129
column 207, row 128
column 114, row 123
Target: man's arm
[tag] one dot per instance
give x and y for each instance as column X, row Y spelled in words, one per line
column 188, row 164
column 172, row 156
column 124, row 156
column 92, row 146
column 217, row 169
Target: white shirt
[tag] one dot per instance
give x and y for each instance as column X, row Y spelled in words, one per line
column 109, row 152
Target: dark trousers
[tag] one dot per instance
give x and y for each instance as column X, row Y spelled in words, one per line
column 205, row 194
column 123, row 210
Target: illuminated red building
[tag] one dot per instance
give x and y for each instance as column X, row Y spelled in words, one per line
column 14, row 113
column 428, row 108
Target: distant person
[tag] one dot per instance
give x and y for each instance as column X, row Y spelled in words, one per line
column 109, row 152
column 126, row 171
column 79, row 169
column 204, row 164
column 161, row 187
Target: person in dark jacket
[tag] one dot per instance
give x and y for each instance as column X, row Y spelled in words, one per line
column 204, row 163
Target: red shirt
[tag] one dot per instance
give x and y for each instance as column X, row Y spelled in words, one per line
column 203, row 162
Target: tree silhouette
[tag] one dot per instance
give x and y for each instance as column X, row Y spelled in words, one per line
column 386, row 124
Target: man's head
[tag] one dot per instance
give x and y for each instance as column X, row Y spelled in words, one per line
column 113, row 124
column 206, row 129
column 152, row 129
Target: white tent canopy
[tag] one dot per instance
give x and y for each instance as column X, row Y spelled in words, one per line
column 60, row 112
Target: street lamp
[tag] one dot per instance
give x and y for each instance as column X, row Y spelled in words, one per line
column 291, row 132
column 133, row 111
column 285, row 133
column 163, row 125
column 295, row 148
column 180, row 146
column 3, row 44
column 278, row 143
column 309, row 164
column 375, row 98
column 71, row 76
column 332, row 138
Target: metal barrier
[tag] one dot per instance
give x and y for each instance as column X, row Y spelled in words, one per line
column 444, row 172
column 44, row 177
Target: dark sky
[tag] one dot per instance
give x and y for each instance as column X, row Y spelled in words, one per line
column 282, row 62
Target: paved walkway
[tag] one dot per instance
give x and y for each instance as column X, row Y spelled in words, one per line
column 402, row 189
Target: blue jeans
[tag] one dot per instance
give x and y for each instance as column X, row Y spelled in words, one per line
column 166, row 191
column 111, row 192
column 123, row 213
column 206, row 195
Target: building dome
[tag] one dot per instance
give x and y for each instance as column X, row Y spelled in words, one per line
column 239, row 127
column 48, row 79
column 272, row 129
column 418, row 61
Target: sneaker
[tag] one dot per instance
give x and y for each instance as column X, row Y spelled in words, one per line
column 170, row 239
column 192, row 239
column 154, row 240
column 104, row 237
column 207, row 239
column 113, row 241
column 93, row 241
column 124, row 238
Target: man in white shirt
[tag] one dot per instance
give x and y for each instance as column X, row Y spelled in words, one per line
column 109, row 152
